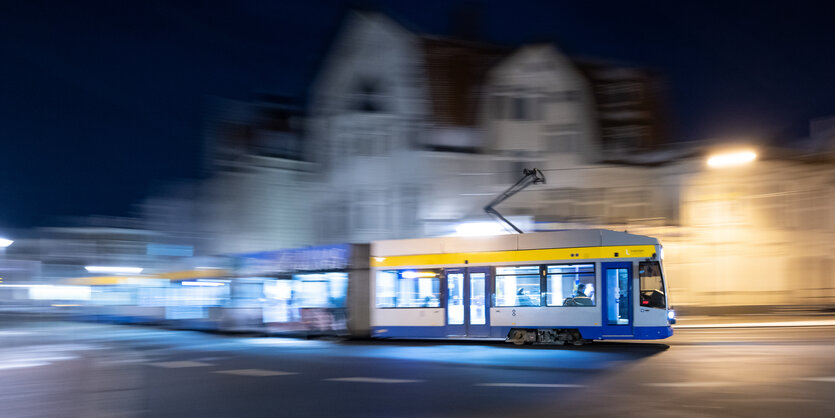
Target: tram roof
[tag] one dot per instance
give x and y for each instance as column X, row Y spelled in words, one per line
column 529, row 241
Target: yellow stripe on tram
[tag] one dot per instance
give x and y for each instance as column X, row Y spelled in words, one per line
column 493, row 257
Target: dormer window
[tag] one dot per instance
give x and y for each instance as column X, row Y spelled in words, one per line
column 367, row 96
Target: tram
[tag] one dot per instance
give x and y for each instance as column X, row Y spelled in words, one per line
column 547, row 288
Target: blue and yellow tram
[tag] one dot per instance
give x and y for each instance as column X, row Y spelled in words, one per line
column 549, row 287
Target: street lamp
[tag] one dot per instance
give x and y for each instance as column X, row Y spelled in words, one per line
column 730, row 159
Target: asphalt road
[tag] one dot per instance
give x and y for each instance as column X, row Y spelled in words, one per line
column 65, row 369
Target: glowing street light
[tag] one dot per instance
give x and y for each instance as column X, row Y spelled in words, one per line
column 5, row 242
column 730, row 159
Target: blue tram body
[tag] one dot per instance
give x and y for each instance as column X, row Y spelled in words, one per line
column 550, row 288
column 547, row 287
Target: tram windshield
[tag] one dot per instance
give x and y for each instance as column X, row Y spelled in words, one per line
column 652, row 285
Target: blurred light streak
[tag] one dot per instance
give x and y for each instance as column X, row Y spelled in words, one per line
column 284, row 342
column 113, row 269
column 5, row 242
column 731, row 159
column 187, row 283
column 29, row 286
column 416, row 274
column 60, row 293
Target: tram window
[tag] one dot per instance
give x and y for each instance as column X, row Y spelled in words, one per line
column 571, row 285
column 517, row 286
column 321, row 290
column 385, row 288
column 409, row 289
column 312, row 294
column 652, row 285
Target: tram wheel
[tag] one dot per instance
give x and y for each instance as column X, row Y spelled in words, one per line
column 518, row 337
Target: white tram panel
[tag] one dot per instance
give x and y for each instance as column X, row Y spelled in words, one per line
column 410, row 317
column 648, row 317
column 549, row 316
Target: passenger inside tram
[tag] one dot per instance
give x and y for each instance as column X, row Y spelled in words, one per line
column 522, row 298
column 430, row 301
column 579, row 298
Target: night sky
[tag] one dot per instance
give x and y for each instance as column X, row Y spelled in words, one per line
column 100, row 101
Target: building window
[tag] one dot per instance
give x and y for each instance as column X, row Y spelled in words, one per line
column 622, row 93
column 562, row 138
column 565, row 96
column 409, row 289
column 368, row 96
column 520, row 108
column 624, row 137
column 570, row 285
column 652, row 285
column 517, row 286
column 538, row 111
column 499, row 101
column 371, row 211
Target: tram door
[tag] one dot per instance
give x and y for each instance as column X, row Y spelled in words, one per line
column 466, row 296
column 617, row 299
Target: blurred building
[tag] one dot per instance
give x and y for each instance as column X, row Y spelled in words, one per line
column 394, row 120
column 822, row 134
column 629, row 106
column 757, row 234
column 64, row 251
column 260, row 178
column 415, row 134
column 410, row 135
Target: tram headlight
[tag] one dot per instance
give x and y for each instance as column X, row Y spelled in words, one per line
column 671, row 316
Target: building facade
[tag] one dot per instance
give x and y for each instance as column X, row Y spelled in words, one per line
column 408, row 136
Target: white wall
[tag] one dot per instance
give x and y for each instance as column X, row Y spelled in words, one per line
column 561, row 120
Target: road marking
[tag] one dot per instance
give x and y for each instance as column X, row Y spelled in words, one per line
column 688, row 384
column 371, row 380
column 255, row 372
column 819, row 379
column 827, row 322
column 532, row 385
column 179, row 364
